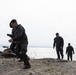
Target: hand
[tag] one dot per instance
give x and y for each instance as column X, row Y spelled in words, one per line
column 11, row 40
column 8, row 34
column 73, row 52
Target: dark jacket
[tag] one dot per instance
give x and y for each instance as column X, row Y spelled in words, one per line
column 19, row 35
column 69, row 50
column 58, row 42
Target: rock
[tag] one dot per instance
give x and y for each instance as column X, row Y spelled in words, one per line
column 31, row 73
column 8, row 53
column 0, row 52
column 8, row 50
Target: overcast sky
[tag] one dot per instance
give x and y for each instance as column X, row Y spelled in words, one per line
column 41, row 20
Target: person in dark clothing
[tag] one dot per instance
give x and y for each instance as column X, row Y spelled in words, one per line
column 69, row 51
column 59, row 43
column 20, row 38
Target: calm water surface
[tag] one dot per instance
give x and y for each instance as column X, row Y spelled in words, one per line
column 37, row 53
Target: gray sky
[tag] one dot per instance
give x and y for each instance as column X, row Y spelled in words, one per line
column 41, row 19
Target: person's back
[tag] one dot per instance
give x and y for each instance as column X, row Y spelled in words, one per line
column 69, row 49
column 19, row 34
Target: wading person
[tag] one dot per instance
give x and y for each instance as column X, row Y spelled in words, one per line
column 59, row 43
column 21, row 42
column 69, row 51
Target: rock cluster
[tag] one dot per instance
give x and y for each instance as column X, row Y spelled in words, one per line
column 8, row 53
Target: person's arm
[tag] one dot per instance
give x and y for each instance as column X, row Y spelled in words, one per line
column 54, row 43
column 62, row 42
column 73, row 50
column 18, row 34
column 10, row 35
column 66, row 50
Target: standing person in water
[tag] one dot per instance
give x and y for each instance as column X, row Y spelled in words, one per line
column 59, row 43
column 69, row 51
column 21, row 42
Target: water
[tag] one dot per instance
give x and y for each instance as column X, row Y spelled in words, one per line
column 1, row 48
column 38, row 53
column 45, row 53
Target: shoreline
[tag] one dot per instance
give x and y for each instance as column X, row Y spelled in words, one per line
column 46, row 66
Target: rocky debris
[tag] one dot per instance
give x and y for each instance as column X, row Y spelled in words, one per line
column 8, row 53
column 0, row 52
column 8, row 50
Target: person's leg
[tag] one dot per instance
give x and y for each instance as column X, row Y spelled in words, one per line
column 61, row 52
column 71, row 56
column 68, row 57
column 24, row 56
column 12, row 46
column 17, row 51
column 58, row 54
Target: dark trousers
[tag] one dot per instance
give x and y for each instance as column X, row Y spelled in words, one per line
column 21, row 50
column 12, row 46
column 69, row 55
column 59, row 52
